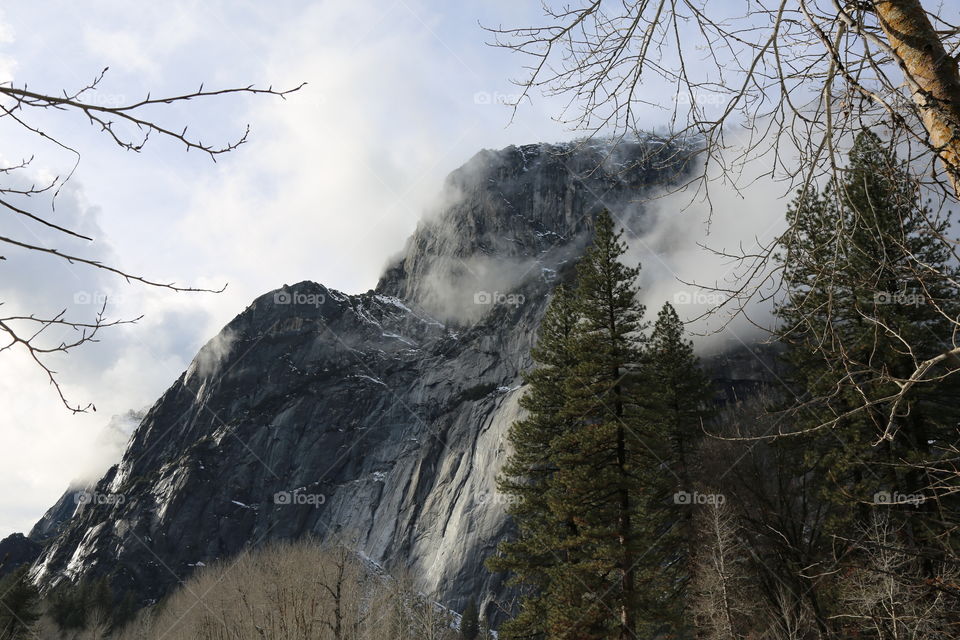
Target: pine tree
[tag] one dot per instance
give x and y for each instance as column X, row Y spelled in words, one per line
column 68, row 605
column 680, row 394
column 72, row 605
column 470, row 621
column 19, row 603
column 125, row 610
column 905, row 281
column 601, row 460
column 100, row 595
column 526, row 474
column 891, row 285
column 584, row 474
column 485, row 633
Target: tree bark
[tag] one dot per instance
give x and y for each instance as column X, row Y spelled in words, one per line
column 931, row 75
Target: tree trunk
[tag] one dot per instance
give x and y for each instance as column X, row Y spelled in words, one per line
column 931, row 75
column 628, row 577
column 624, row 526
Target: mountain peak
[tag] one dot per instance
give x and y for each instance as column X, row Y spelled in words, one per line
column 509, row 216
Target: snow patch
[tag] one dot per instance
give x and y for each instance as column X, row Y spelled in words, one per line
column 337, row 295
column 370, row 378
column 400, row 338
column 392, row 300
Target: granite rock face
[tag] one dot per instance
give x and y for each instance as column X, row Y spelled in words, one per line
column 378, row 417
column 57, row 516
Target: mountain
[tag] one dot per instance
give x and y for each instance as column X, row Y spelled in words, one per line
column 17, row 550
column 379, row 417
column 57, row 516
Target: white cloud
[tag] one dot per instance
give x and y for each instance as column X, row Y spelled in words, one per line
column 120, row 50
column 6, row 30
column 44, row 446
column 211, row 355
column 142, row 46
column 7, row 63
column 336, row 179
column 686, row 235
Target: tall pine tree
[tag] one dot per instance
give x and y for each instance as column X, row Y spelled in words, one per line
column 870, row 291
column 470, row 621
column 526, row 474
column 609, row 417
column 680, row 396
column 600, row 482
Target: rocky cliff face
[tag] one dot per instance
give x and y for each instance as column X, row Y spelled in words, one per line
column 378, row 417
column 57, row 516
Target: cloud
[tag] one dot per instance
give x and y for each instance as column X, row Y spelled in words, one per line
column 45, row 447
column 6, row 30
column 107, row 447
column 7, row 63
column 211, row 355
column 348, row 163
column 682, row 239
column 464, row 290
column 144, row 46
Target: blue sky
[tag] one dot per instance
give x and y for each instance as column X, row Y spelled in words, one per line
column 331, row 183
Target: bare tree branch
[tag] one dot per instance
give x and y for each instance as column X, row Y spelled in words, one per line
column 17, row 107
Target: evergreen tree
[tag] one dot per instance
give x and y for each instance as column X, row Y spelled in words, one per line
column 680, row 394
column 905, row 282
column 125, row 610
column 887, row 304
column 68, row 605
column 485, row 633
column 470, row 621
column 71, row 605
column 19, row 602
column 602, row 462
column 99, row 595
column 526, row 474
column 585, row 477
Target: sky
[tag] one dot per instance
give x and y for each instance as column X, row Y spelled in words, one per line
column 330, row 184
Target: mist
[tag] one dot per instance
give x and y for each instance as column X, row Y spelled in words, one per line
column 680, row 243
